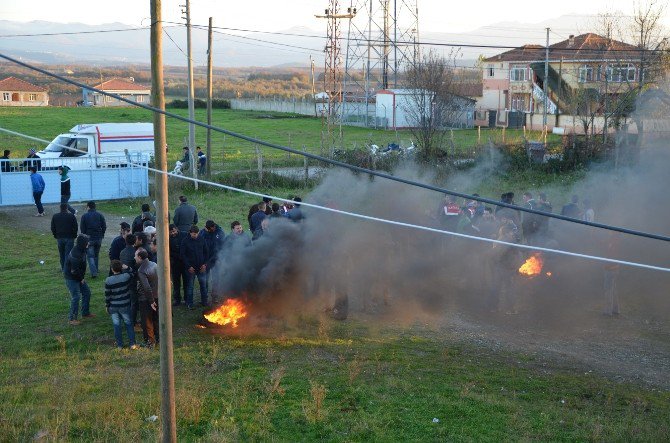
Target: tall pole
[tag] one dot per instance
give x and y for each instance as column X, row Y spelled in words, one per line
column 209, row 99
column 544, row 84
column 191, row 92
column 168, row 410
column 311, row 61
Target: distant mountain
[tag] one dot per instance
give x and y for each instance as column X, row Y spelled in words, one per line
column 126, row 44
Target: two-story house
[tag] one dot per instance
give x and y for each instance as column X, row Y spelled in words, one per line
column 586, row 65
column 124, row 88
column 17, row 92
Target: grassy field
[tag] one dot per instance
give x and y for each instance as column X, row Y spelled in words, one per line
column 294, row 131
column 305, row 379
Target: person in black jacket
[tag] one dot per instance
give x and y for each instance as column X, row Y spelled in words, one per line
column 194, row 255
column 64, row 228
column 93, row 224
column 65, row 192
column 118, row 244
column 177, row 271
column 74, row 272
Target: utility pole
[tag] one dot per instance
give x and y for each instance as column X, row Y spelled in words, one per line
column 544, row 84
column 209, row 99
column 168, row 409
column 311, row 62
column 191, row 92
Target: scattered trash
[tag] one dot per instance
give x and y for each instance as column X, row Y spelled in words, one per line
column 436, row 420
column 562, row 402
column 152, row 418
column 41, row 435
column 41, row 262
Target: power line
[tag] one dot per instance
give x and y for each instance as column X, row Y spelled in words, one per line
column 49, row 34
column 371, row 218
column 339, row 163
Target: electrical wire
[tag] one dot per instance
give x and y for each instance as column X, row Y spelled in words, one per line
column 337, row 162
column 371, row 218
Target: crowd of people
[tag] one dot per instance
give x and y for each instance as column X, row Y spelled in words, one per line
column 131, row 287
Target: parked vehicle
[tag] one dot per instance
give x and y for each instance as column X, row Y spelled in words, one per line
column 101, row 145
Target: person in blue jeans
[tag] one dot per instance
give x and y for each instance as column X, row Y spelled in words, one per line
column 117, row 301
column 74, row 272
column 64, row 228
column 93, row 224
column 194, row 255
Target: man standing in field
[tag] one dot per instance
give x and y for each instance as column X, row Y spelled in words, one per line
column 38, row 185
column 64, row 228
column 185, row 215
column 74, row 272
column 194, row 255
column 117, row 301
column 65, row 188
column 147, row 289
column 93, row 224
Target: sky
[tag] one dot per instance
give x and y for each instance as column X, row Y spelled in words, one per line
column 274, row 15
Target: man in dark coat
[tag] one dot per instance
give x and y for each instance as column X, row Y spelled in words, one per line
column 185, row 215
column 147, row 290
column 146, row 215
column 194, row 255
column 118, row 244
column 572, row 209
column 214, row 237
column 127, row 257
column 257, row 217
column 64, row 228
column 93, row 224
column 65, row 188
column 74, row 272
column 177, row 271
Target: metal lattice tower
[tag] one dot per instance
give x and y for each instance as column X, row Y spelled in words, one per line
column 333, row 64
column 382, row 39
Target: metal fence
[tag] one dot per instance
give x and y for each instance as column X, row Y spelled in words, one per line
column 91, row 178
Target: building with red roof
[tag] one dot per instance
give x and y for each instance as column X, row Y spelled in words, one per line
column 126, row 88
column 17, row 92
column 514, row 81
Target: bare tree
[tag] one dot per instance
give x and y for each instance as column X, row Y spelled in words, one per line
column 431, row 100
column 648, row 34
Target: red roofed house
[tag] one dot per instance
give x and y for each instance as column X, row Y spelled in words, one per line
column 125, row 88
column 513, row 81
column 17, row 92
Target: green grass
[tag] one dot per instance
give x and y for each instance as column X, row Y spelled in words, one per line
column 290, row 130
column 308, row 379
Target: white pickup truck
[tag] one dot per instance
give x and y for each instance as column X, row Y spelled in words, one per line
column 101, row 145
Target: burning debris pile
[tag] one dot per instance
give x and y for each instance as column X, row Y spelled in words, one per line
column 533, row 266
column 229, row 313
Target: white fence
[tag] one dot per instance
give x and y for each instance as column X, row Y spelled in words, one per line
column 91, row 179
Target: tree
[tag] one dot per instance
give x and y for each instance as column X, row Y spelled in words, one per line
column 431, row 101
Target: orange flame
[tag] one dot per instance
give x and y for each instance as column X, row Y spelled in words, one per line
column 532, row 266
column 228, row 313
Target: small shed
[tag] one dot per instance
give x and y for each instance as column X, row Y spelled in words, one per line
column 393, row 105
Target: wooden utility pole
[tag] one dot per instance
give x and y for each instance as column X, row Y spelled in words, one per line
column 191, row 92
column 168, row 409
column 209, row 99
column 545, row 84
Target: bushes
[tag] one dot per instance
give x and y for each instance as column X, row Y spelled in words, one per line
column 200, row 104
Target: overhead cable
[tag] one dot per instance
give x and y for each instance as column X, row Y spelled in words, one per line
column 339, row 163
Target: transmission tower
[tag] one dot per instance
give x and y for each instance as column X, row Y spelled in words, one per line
column 382, row 40
column 332, row 80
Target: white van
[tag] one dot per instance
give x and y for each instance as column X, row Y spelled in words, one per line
column 101, row 145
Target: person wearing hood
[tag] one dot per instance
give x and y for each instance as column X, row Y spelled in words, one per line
column 38, row 185
column 94, row 225
column 214, row 237
column 65, row 188
column 34, row 160
column 74, row 271
column 146, row 215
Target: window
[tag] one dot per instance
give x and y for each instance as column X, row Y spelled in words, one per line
column 518, row 103
column 32, row 97
column 621, row 73
column 585, row 74
column 6, row 96
column 518, row 73
column 140, row 98
column 491, row 71
column 107, row 98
